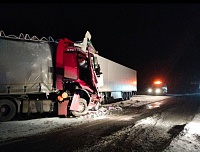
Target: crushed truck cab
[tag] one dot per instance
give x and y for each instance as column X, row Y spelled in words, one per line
column 47, row 76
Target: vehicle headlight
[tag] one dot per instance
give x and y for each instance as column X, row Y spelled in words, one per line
column 149, row 90
column 64, row 95
column 158, row 90
column 60, row 98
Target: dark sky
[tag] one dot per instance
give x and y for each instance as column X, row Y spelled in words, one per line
column 157, row 40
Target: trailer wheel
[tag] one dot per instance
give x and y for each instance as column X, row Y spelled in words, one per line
column 129, row 95
column 7, row 110
column 124, row 96
column 83, row 108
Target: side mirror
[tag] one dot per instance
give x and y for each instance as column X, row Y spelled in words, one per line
column 97, row 67
column 98, row 70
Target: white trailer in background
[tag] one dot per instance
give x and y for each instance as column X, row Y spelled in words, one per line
column 117, row 81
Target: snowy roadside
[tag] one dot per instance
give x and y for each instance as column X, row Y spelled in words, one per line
column 189, row 139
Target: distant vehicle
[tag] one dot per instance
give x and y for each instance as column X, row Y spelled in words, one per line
column 157, row 88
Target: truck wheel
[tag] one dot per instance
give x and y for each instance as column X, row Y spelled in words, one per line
column 83, row 108
column 124, row 96
column 129, row 95
column 7, row 110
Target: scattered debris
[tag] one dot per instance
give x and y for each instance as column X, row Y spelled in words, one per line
column 103, row 111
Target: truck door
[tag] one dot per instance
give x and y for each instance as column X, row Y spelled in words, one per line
column 84, row 71
column 93, row 74
column 70, row 65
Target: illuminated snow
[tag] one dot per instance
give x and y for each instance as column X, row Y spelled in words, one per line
column 190, row 135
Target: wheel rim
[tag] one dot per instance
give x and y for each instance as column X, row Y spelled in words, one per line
column 81, row 107
column 4, row 110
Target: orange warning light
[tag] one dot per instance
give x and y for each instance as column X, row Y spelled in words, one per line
column 157, row 82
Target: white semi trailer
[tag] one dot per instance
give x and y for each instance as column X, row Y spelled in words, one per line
column 117, row 81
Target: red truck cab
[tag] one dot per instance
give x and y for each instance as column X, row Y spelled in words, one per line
column 76, row 77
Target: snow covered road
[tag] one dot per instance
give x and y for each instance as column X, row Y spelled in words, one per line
column 146, row 132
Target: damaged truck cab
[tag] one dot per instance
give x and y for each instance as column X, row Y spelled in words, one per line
column 76, row 78
column 46, row 76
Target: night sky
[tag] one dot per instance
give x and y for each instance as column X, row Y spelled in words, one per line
column 156, row 40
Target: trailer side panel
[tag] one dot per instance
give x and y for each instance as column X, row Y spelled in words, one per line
column 116, row 77
column 26, row 66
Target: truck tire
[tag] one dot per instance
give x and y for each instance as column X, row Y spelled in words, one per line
column 129, row 95
column 83, row 108
column 124, row 96
column 7, row 110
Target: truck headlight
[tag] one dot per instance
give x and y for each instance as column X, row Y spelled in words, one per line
column 158, row 90
column 60, row 98
column 149, row 90
column 64, row 95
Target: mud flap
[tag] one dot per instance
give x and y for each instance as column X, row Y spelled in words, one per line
column 62, row 108
column 75, row 102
